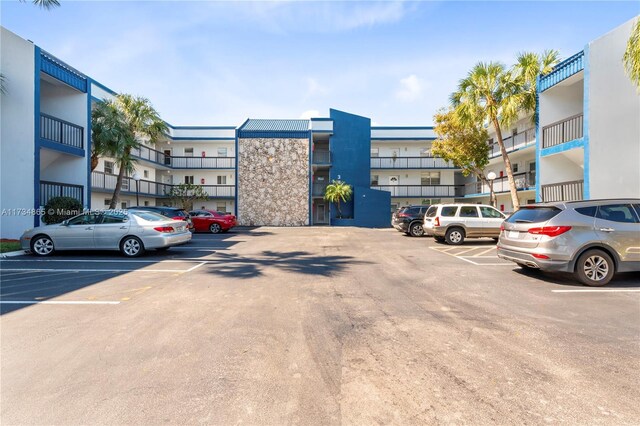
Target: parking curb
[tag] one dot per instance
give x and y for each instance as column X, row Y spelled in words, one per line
column 12, row 254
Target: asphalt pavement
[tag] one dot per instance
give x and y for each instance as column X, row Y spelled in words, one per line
column 273, row 326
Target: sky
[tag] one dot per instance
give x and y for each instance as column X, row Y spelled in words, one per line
column 219, row 63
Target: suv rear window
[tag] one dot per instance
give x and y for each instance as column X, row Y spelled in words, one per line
column 413, row 211
column 449, row 211
column 431, row 212
column 533, row 214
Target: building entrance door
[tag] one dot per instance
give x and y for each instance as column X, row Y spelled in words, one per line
column 321, row 213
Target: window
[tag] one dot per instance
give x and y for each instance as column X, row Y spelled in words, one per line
column 188, row 152
column 221, row 207
column 146, row 173
column 146, row 203
column 514, row 167
column 449, row 211
column 85, row 219
column 468, row 211
column 514, row 132
column 375, row 179
column 617, row 213
column 533, row 214
column 123, row 205
column 188, row 179
column 114, row 218
column 431, row 211
column 430, row 178
column 108, row 167
column 425, row 152
column 413, row 211
column 222, row 180
column 491, row 213
column 107, row 201
column 222, row 152
column 375, row 152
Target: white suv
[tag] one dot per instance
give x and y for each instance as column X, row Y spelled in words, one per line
column 453, row 223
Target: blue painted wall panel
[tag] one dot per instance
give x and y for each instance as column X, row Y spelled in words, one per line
column 350, row 147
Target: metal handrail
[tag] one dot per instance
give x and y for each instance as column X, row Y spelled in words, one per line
column 61, row 131
column 562, row 131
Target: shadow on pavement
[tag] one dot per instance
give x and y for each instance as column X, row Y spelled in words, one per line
column 621, row 280
column 299, row 262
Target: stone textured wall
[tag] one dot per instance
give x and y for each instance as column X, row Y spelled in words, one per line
column 273, row 182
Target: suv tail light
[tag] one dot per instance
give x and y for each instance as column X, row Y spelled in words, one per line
column 403, row 215
column 436, row 221
column 164, row 228
column 550, row 231
column 502, row 227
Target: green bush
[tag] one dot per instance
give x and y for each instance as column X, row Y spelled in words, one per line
column 61, row 208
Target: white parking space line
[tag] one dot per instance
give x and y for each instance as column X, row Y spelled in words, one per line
column 102, row 261
column 465, row 251
column 58, row 302
column 483, row 252
column 95, row 270
column 196, row 266
column 600, row 290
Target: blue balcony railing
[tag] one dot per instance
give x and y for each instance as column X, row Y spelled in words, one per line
column 56, row 130
column 49, row 190
column 562, row 71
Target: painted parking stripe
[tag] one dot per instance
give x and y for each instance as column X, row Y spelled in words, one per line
column 600, row 290
column 95, row 270
column 59, row 302
column 484, row 252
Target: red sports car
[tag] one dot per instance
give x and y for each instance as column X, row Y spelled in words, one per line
column 212, row 221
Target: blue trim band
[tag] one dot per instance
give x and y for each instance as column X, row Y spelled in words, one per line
column 201, row 138
column 36, row 134
column 585, row 123
column 567, row 146
column 403, row 139
column 78, row 152
column 401, row 127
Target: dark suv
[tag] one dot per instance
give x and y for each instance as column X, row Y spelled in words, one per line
column 409, row 220
column 174, row 213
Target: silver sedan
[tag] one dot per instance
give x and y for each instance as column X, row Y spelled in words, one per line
column 130, row 232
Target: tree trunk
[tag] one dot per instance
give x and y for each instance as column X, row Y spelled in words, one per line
column 94, row 161
column 116, row 191
column 507, row 166
column 339, row 211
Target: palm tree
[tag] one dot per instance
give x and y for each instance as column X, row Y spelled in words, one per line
column 631, row 56
column 488, row 94
column 338, row 191
column 528, row 67
column 44, row 4
column 118, row 125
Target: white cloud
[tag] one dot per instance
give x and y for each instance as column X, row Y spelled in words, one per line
column 411, row 88
column 310, row 114
column 314, row 87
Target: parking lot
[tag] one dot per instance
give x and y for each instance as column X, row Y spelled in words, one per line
column 316, row 326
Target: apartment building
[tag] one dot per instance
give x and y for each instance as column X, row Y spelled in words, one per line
column 520, row 142
column 589, row 125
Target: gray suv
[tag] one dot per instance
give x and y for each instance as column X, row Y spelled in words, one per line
column 592, row 239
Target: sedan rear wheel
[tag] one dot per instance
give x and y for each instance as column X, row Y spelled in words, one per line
column 131, row 247
column 215, row 228
column 416, row 230
column 595, row 268
column 42, row 246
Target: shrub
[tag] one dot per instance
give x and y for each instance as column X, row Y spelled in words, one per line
column 61, row 208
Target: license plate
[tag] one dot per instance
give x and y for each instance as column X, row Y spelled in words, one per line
column 180, row 228
column 513, row 234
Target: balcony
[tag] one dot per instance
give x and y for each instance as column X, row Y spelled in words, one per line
column 49, row 190
column 318, row 189
column 410, row 163
column 565, row 69
column 107, row 182
column 410, row 191
column 563, row 191
column 53, row 129
column 563, row 131
column 176, row 162
column 524, row 182
column 512, row 143
column 321, row 157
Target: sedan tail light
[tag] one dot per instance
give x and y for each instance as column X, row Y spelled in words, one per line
column 179, row 218
column 164, row 229
column 550, row 231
